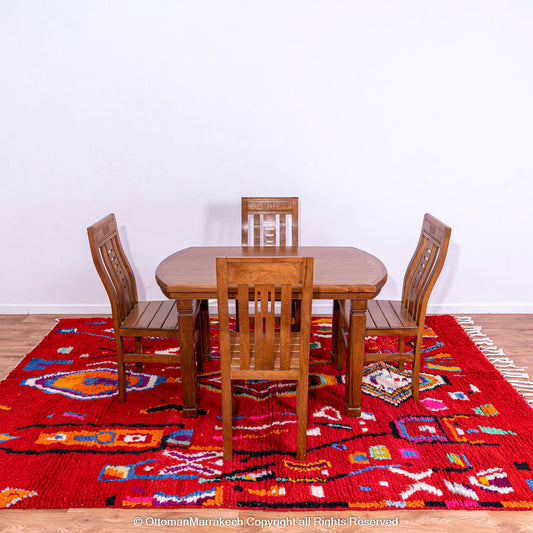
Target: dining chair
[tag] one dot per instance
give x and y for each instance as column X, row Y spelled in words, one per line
column 260, row 350
column 131, row 317
column 406, row 317
column 269, row 221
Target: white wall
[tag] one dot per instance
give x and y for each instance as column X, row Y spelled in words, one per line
column 167, row 112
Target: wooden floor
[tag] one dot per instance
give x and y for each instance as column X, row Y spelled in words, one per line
column 20, row 333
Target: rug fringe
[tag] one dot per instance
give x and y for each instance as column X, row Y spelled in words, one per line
column 518, row 377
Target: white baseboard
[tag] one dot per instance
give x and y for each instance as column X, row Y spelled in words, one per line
column 473, row 309
column 55, row 309
column 320, row 307
column 324, row 307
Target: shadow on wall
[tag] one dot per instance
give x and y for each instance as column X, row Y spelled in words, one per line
column 125, row 241
column 222, row 225
column 448, row 276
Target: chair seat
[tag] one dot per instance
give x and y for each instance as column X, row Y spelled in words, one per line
column 383, row 317
column 386, row 317
column 153, row 316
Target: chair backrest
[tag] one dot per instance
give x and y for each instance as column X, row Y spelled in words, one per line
column 425, row 266
column 263, row 281
column 271, row 221
column 113, row 266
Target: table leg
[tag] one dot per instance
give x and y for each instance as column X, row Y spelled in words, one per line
column 206, row 337
column 356, row 357
column 188, row 366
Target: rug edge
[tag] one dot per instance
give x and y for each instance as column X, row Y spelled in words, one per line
column 517, row 376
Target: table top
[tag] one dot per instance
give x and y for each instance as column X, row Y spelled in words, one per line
column 339, row 271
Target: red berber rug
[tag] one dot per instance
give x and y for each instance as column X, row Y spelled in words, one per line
column 66, row 441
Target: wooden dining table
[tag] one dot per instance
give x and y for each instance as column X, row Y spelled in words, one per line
column 340, row 272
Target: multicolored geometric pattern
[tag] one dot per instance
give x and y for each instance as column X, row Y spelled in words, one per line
column 387, row 382
column 69, row 442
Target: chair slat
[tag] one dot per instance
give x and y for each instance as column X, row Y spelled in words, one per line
column 172, row 319
column 244, row 325
column 282, row 229
column 124, row 274
column 370, row 324
column 109, row 260
column 257, row 229
column 161, row 315
column 144, row 320
column 129, row 277
column 421, row 270
column 410, row 276
column 269, row 313
column 285, row 327
column 377, row 315
column 399, row 319
column 264, row 326
column 130, row 322
column 403, row 314
column 294, row 226
column 389, row 313
column 426, row 278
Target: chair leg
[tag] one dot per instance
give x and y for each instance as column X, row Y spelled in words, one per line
column 227, row 412
column 296, row 314
column 341, row 347
column 401, row 349
column 416, row 367
column 335, row 325
column 204, row 330
column 119, row 343
column 138, row 349
column 233, row 399
column 199, row 346
column 199, row 358
column 301, row 416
